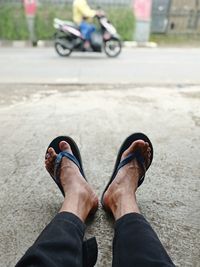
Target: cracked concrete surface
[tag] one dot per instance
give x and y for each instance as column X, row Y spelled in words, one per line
column 99, row 118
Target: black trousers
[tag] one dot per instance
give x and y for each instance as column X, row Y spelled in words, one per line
column 61, row 244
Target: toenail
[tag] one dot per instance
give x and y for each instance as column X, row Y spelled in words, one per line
column 64, row 145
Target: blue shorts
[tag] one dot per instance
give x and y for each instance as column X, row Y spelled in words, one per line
column 87, row 29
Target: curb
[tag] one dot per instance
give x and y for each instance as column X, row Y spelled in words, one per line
column 42, row 43
column 132, row 44
column 21, row 44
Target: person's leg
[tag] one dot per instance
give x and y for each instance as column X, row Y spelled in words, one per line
column 90, row 29
column 83, row 29
column 31, row 28
column 87, row 29
column 135, row 242
column 61, row 242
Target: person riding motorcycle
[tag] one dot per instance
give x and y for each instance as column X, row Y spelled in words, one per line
column 82, row 16
column 81, row 35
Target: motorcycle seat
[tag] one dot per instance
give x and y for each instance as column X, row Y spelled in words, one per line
column 66, row 22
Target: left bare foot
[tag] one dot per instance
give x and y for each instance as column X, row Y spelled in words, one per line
column 80, row 198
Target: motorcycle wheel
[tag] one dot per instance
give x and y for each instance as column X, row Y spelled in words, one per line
column 112, row 47
column 61, row 50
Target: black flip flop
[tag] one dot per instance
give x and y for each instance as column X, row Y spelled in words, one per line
column 136, row 155
column 76, row 157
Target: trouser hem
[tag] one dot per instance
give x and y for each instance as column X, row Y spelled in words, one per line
column 69, row 217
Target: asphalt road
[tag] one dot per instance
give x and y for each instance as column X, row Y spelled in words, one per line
column 137, row 66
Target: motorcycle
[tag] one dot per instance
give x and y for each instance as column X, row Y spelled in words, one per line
column 68, row 38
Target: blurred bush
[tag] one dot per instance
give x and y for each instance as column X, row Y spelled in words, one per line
column 123, row 19
column 13, row 21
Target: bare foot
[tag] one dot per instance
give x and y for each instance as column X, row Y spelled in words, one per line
column 80, row 198
column 120, row 196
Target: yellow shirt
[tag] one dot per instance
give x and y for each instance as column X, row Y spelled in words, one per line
column 82, row 10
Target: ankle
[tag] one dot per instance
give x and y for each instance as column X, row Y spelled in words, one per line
column 72, row 205
column 121, row 203
column 127, row 205
column 80, row 202
column 72, row 188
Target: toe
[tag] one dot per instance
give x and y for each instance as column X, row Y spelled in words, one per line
column 49, row 159
column 143, row 147
column 51, row 152
column 139, row 144
column 64, row 146
column 51, row 155
column 47, row 156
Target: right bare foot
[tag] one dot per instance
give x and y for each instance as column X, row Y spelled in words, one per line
column 80, row 198
column 120, row 196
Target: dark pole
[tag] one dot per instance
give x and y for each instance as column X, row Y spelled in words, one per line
column 196, row 14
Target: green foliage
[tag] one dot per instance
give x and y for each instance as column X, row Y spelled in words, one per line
column 13, row 21
column 123, row 20
column 45, row 16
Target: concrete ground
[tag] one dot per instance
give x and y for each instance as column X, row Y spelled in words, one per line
column 99, row 118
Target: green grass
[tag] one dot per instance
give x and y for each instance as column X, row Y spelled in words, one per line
column 13, row 24
column 13, row 21
column 123, row 20
column 44, row 20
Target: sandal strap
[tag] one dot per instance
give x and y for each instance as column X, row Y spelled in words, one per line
column 140, row 159
column 58, row 163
